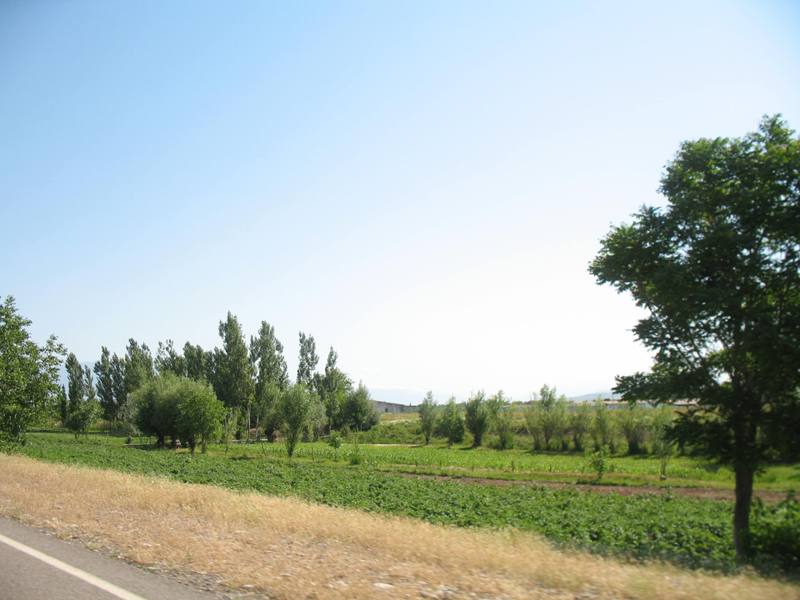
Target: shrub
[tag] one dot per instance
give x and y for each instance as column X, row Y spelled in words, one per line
column 775, row 534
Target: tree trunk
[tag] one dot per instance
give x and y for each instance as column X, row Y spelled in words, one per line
column 741, row 511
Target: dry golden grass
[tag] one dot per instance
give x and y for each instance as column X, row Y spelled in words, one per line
column 292, row 549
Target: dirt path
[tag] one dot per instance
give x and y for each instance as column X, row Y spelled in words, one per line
column 770, row 497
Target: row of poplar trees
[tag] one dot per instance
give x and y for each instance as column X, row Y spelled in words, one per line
column 247, row 379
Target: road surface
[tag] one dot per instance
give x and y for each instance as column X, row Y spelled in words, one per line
column 37, row 566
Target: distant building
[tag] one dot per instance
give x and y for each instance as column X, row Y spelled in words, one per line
column 392, row 407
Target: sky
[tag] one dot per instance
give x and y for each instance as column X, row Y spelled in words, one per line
column 420, row 185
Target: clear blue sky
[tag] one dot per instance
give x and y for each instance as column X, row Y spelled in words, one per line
column 419, row 184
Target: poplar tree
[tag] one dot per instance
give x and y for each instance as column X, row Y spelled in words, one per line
column 333, row 388
column 75, row 383
column 196, row 362
column 138, row 365
column 170, row 360
column 308, row 360
column 105, row 384
column 427, row 417
column 120, row 392
column 233, row 373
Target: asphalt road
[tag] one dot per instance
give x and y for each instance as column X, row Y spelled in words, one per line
column 37, row 566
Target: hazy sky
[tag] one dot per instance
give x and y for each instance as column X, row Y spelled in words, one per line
column 421, row 185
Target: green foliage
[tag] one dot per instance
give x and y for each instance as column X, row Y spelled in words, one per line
column 546, row 420
column 634, row 425
column 501, row 420
column 179, row 407
column 307, row 363
column 603, row 427
column 170, row 360
column 333, row 388
column 598, row 462
column 718, row 270
column 358, row 412
column 233, row 373
column 269, row 365
column 105, row 384
column 427, row 417
column 294, row 408
column 138, row 366
column 662, row 440
column 335, row 440
column 580, row 423
column 775, row 536
column 63, row 405
column 83, row 415
column 476, row 417
column 76, row 384
column 451, row 423
column 197, row 362
column 198, row 411
column 121, row 409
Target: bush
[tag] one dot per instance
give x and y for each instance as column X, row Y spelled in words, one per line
column 775, row 535
column 358, row 411
column 198, row 412
column 174, row 406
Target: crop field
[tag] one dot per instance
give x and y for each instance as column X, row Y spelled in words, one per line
column 691, row 532
column 520, row 464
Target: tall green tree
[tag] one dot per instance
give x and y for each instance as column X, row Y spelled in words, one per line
column 234, row 375
column 168, row 359
column 308, row 360
column 105, row 384
column 358, row 410
column 272, row 377
column 120, row 409
column 138, row 365
column 76, row 385
column 718, row 271
column 476, row 417
column 266, row 355
column 28, row 374
column 451, row 423
column 85, row 409
column 294, row 408
column 427, row 417
column 196, row 362
column 62, row 405
column 333, row 388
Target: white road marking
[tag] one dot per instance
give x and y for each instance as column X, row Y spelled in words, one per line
column 74, row 571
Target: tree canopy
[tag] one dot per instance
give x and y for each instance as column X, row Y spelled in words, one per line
column 28, row 374
column 718, row 271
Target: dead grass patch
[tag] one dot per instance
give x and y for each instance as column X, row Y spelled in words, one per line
column 288, row 548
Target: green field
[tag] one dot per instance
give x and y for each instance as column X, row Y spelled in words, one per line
column 692, row 532
column 519, row 464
